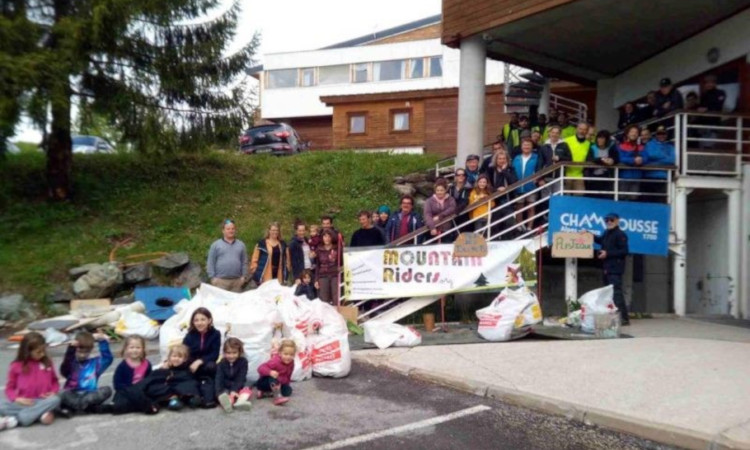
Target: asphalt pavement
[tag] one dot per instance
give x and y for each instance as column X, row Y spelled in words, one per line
column 373, row 408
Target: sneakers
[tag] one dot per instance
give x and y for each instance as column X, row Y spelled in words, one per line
column 8, row 422
column 243, row 403
column 278, row 399
column 65, row 413
column 175, row 404
column 47, row 418
column 225, row 402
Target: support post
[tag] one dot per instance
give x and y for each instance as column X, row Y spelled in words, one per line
column 544, row 99
column 571, row 280
column 745, row 245
column 471, row 93
column 679, row 298
column 734, row 241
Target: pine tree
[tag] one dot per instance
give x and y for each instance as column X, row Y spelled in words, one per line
column 481, row 281
column 158, row 70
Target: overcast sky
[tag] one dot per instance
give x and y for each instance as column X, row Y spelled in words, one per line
column 292, row 25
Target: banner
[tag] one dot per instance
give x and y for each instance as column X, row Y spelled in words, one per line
column 646, row 224
column 427, row 270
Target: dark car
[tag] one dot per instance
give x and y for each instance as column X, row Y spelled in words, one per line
column 273, row 139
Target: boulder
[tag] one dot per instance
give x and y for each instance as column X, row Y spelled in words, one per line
column 172, row 261
column 190, row 276
column 415, row 177
column 59, row 295
column 137, row 274
column 12, row 307
column 99, row 282
column 405, row 189
column 81, row 270
column 425, row 188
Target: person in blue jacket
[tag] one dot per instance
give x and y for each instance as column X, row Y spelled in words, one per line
column 659, row 152
column 631, row 154
column 525, row 165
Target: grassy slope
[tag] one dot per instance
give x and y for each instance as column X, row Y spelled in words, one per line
column 175, row 204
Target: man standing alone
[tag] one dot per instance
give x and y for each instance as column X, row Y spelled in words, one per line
column 227, row 260
column 614, row 249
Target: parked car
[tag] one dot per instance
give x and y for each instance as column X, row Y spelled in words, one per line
column 274, row 139
column 91, row 144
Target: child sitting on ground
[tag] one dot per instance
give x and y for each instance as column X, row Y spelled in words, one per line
column 306, row 286
column 276, row 374
column 82, row 392
column 174, row 383
column 32, row 386
column 133, row 369
column 231, row 373
column 204, row 342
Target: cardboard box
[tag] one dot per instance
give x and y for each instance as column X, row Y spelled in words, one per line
column 350, row 313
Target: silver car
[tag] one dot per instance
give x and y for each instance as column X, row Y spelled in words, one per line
column 91, row 144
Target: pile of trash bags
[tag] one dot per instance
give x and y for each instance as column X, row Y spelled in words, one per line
column 510, row 315
column 261, row 318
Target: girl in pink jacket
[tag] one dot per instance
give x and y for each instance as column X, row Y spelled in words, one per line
column 32, row 386
column 276, row 374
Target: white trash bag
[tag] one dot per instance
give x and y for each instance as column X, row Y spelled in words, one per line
column 496, row 321
column 330, row 356
column 384, row 334
column 296, row 313
column 303, row 367
column 133, row 323
column 531, row 315
column 593, row 303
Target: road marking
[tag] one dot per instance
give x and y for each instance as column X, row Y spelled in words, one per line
column 401, row 429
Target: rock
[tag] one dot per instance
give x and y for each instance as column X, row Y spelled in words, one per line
column 415, row 177
column 404, row 189
column 12, row 307
column 81, row 270
column 172, row 261
column 399, row 180
column 124, row 299
column 425, row 188
column 59, row 295
column 419, row 203
column 137, row 274
column 190, row 276
column 99, row 282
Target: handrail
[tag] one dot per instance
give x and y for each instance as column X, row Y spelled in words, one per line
column 545, row 171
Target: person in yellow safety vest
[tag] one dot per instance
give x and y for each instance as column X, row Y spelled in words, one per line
column 568, row 130
column 580, row 148
column 510, row 126
column 515, row 135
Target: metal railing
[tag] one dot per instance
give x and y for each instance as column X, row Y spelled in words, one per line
column 576, row 111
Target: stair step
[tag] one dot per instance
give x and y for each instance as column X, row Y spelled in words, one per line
column 405, row 308
column 533, row 77
column 527, row 86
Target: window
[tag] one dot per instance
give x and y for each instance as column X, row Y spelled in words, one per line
column 357, row 123
column 307, row 77
column 333, row 74
column 361, row 73
column 436, row 66
column 400, row 120
column 282, row 78
column 416, row 68
column 389, row 70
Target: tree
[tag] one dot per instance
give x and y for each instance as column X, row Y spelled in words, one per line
column 155, row 69
column 481, row 281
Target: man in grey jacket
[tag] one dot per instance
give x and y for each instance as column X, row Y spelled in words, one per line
column 227, row 260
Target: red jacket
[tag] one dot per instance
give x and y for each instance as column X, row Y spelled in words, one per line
column 285, row 370
column 35, row 382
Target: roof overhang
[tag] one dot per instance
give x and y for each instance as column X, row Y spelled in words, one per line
column 421, row 94
column 589, row 40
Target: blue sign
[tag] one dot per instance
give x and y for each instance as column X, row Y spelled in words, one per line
column 646, row 224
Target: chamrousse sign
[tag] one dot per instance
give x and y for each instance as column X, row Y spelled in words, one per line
column 646, row 224
column 435, row 270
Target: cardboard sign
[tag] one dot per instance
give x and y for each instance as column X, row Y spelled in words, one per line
column 572, row 245
column 470, row 245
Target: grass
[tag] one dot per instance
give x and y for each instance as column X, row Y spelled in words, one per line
column 175, row 204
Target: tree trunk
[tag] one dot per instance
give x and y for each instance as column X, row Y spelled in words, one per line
column 59, row 149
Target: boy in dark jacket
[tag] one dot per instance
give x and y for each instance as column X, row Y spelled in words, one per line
column 306, row 286
column 230, row 377
column 82, row 393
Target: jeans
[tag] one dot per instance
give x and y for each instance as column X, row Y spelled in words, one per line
column 80, row 401
column 27, row 415
column 266, row 384
column 615, row 279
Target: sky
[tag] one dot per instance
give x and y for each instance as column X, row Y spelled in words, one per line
column 293, row 25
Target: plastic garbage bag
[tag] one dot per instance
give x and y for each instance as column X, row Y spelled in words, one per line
column 598, row 301
column 54, row 337
column 531, row 315
column 384, row 334
column 132, row 323
column 295, row 313
column 330, row 352
column 496, row 321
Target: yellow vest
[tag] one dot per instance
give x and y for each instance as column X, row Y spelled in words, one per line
column 568, row 131
column 579, row 151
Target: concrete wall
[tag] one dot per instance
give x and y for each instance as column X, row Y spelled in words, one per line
column 686, row 59
column 305, row 101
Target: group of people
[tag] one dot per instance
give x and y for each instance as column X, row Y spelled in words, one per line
column 193, row 375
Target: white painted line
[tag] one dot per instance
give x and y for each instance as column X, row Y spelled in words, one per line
column 401, row 429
